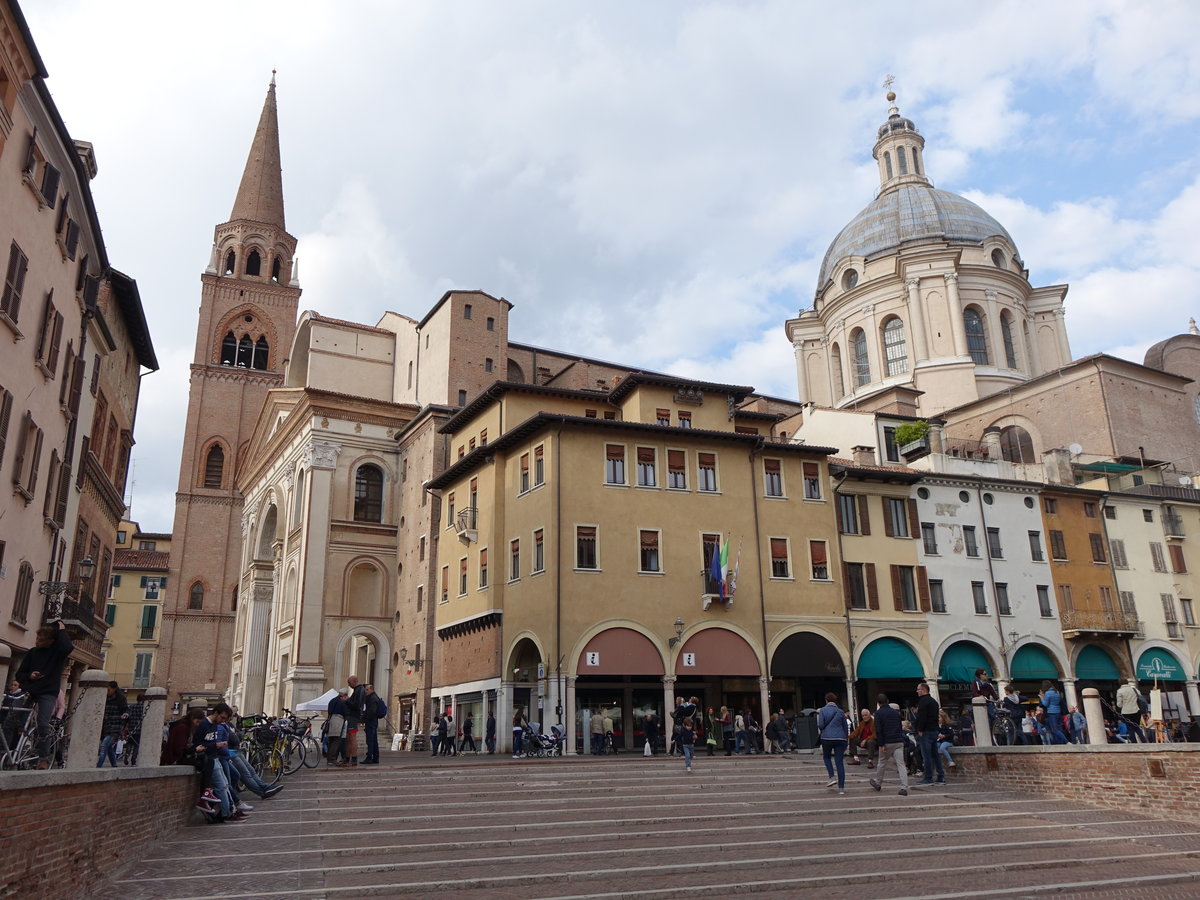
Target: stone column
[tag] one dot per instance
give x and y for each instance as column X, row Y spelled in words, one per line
column 504, row 714
column 954, row 304
column 1034, row 356
column 569, row 718
column 994, row 333
column 801, row 374
column 1070, row 697
column 1094, row 713
column 668, row 707
column 983, row 728
column 1060, row 327
column 1193, row 695
column 932, row 682
column 152, row 725
column 764, row 683
column 851, row 700
column 916, row 319
column 87, row 721
column 875, row 358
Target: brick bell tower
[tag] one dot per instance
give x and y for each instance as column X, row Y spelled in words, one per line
column 248, row 299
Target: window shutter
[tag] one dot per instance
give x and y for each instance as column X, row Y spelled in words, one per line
column 841, row 520
column 645, row 455
column 6, row 398
column 888, row 528
column 872, row 586
column 811, row 470
column 708, row 460
column 22, row 444
column 72, row 239
column 51, row 484
column 771, row 466
column 614, row 451
column 816, row 551
column 91, row 290
column 846, row 585
column 64, row 486
column 76, row 385
column 36, row 461
column 55, row 341
column 50, row 180
column 897, row 599
column 62, row 215
column 914, row 520
column 1178, row 564
column 923, row 588
column 675, row 460
column 778, row 548
column 47, row 324
column 864, row 516
column 30, row 154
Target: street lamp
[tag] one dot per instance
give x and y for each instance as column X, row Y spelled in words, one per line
column 57, row 593
column 415, row 664
column 679, row 626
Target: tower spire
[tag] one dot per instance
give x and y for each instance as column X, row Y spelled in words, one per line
column 260, row 195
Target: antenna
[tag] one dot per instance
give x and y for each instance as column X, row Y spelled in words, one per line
column 1075, row 449
column 1185, row 481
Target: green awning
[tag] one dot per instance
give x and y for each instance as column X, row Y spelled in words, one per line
column 889, row 657
column 1032, row 663
column 1159, row 664
column 960, row 661
column 1095, row 664
column 1112, row 468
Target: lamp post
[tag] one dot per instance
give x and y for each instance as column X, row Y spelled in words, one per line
column 414, row 664
column 679, row 626
column 58, row 593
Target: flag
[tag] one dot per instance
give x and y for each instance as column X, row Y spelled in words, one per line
column 724, row 566
column 714, row 570
column 733, row 576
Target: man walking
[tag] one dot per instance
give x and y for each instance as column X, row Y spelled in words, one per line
column 489, row 734
column 927, row 735
column 890, row 733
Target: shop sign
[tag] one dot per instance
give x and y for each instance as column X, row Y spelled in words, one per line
column 689, row 659
column 1159, row 668
column 593, row 658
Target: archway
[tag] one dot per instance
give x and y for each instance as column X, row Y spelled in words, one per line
column 620, row 673
column 956, row 671
column 888, row 665
column 804, row 667
column 1095, row 667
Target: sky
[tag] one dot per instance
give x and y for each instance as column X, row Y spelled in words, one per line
column 650, row 184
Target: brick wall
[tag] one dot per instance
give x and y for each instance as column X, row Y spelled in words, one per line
column 63, row 832
column 1162, row 779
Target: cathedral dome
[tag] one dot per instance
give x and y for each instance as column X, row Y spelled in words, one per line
column 905, row 215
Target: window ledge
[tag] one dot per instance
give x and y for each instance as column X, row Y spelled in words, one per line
column 655, row 574
column 615, row 484
column 679, row 490
column 18, row 489
column 588, row 571
column 535, row 574
column 537, row 487
column 814, row 499
column 647, row 487
column 513, row 581
column 774, row 496
column 45, row 369
column 821, row 580
column 21, row 625
column 18, row 335
column 713, row 493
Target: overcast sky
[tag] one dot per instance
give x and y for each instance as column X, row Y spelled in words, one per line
column 649, row 183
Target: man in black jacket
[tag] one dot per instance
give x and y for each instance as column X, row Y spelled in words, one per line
column 889, row 732
column 40, row 673
column 354, row 717
column 927, row 734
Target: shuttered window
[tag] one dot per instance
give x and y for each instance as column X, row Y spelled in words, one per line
column 677, row 470
column 779, row 558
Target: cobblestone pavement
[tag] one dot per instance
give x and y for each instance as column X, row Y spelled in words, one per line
column 583, row 827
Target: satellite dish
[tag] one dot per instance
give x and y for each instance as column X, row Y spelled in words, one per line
column 1185, row 481
column 1075, row 449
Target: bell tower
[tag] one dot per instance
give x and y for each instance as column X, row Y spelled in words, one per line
column 249, row 295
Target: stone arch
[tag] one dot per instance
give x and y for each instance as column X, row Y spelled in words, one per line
column 268, row 533
column 1010, row 438
column 524, row 653
column 819, row 631
column 585, row 637
column 234, row 323
column 364, row 587
column 1119, row 660
column 716, row 654
column 904, row 637
column 975, row 641
column 362, row 649
column 515, row 374
column 254, row 261
column 213, row 472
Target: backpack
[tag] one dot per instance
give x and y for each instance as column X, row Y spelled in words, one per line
column 380, row 708
column 1143, row 706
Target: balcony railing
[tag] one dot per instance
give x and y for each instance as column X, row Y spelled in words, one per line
column 1099, row 620
column 1172, row 525
column 146, row 634
column 466, row 524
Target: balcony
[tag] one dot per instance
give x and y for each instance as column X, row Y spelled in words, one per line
column 1172, row 524
column 466, row 524
column 1076, row 622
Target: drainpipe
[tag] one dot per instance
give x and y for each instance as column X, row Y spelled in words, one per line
column 765, row 691
column 849, row 633
column 558, row 676
column 992, row 577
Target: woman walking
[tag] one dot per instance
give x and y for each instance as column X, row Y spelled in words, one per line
column 686, row 740
column 727, row 730
column 831, row 727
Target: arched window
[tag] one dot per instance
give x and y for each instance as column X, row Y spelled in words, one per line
column 253, row 263
column 230, row 262
column 916, row 161
column 976, row 339
column 858, row 352
column 903, row 160
column 895, row 351
column 245, row 352
column 839, row 378
column 276, row 268
column 229, row 350
column 260, row 353
column 887, row 161
column 368, row 494
column 1016, row 445
column 196, row 596
column 1010, row 347
column 214, row 466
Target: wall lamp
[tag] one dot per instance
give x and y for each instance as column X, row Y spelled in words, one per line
column 679, row 626
column 414, row 664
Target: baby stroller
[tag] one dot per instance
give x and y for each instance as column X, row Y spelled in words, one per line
column 554, row 741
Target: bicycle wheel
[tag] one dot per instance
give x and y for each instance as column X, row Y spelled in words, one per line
column 1004, row 732
column 293, row 754
column 312, row 751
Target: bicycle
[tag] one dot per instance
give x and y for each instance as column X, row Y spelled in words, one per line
column 18, row 745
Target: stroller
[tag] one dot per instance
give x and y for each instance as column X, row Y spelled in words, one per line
column 542, row 745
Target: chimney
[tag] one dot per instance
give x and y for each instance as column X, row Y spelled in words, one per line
column 863, row 455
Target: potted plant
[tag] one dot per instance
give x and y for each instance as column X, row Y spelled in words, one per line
column 912, row 439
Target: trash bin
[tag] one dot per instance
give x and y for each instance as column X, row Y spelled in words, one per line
column 806, row 731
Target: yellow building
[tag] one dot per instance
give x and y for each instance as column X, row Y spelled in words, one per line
column 575, row 567
column 134, row 608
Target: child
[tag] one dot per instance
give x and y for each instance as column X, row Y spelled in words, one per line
column 687, row 742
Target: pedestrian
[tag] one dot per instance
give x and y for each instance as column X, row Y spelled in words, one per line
column 1078, row 722
column 354, row 718
column 684, row 709
column 739, row 733
column 926, row 725
column 373, row 711
column 650, row 731
column 336, row 726
column 489, row 734
column 1011, row 704
column 1052, row 701
column 1029, row 728
column 116, row 714
column 1130, row 710
column 177, row 748
column 609, row 743
column 727, row 730
column 753, row 733
column 945, row 738
column 687, row 742
column 468, row 731
column 446, row 734
column 712, row 727
column 40, row 674
column 834, row 736
column 597, row 729
column 863, row 739
column 519, row 724
column 210, row 742
column 890, row 732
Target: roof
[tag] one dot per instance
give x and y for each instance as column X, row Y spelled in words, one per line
column 909, row 214
column 540, row 421
column 626, row 385
column 894, row 473
column 446, row 296
column 357, row 326
column 150, row 560
column 260, row 193
column 129, row 300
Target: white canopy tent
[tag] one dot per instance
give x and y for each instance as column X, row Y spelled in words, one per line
column 319, row 704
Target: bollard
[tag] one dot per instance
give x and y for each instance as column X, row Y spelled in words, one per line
column 983, row 728
column 87, row 720
column 153, row 719
column 1094, row 714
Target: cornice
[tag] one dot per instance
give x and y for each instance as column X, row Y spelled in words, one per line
column 206, row 500
column 232, row 373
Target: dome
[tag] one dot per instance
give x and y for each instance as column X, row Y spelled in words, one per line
column 908, row 214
